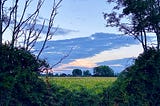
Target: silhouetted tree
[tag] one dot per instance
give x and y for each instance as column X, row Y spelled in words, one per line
column 56, row 75
column 137, row 18
column 77, row 72
column 104, row 71
column 86, row 73
column 63, row 75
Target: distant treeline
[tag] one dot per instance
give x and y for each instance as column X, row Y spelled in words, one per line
column 100, row 71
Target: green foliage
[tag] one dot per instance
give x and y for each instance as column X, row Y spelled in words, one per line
column 142, row 16
column 104, row 71
column 20, row 84
column 137, row 85
column 81, row 97
column 18, row 59
column 77, row 72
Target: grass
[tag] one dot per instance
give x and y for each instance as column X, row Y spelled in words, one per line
column 95, row 84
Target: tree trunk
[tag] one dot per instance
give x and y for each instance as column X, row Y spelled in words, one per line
column 157, row 31
column 158, row 42
column 0, row 22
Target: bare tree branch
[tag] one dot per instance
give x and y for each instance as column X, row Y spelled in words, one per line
column 51, row 20
column 64, row 57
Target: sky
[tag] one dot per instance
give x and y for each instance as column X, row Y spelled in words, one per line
column 104, row 56
column 83, row 18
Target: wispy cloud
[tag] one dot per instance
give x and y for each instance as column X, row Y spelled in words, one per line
column 54, row 30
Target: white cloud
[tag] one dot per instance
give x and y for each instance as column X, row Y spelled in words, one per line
column 108, row 55
column 114, row 54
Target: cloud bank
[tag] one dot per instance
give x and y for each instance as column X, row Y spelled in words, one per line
column 89, row 52
column 131, row 51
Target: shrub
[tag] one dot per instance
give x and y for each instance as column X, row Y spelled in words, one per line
column 139, row 84
column 20, row 84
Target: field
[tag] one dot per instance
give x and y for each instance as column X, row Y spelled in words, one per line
column 95, row 84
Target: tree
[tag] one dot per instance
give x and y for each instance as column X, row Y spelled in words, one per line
column 18, row 17
column 0, row 23
column 137, row 85
column 141, row 17
column 63, row 75
column 104, row 71
column 86, row 73
column 77, row 72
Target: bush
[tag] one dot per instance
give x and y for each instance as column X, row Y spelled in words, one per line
column 77, row 97
column 20, row 84
column 139, row 84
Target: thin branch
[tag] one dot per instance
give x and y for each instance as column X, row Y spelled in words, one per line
column 32, row 43
column 15, row 23
column 24, row 10
column 9, row 19
column 51, row 20
column 64, row 57
column 39, row 5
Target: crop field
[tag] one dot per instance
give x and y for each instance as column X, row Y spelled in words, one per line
column 95, row 84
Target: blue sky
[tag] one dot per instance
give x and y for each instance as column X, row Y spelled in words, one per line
column 80, row 19
column 83, row 16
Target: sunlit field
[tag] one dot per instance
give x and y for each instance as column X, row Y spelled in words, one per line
column 95, row 84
